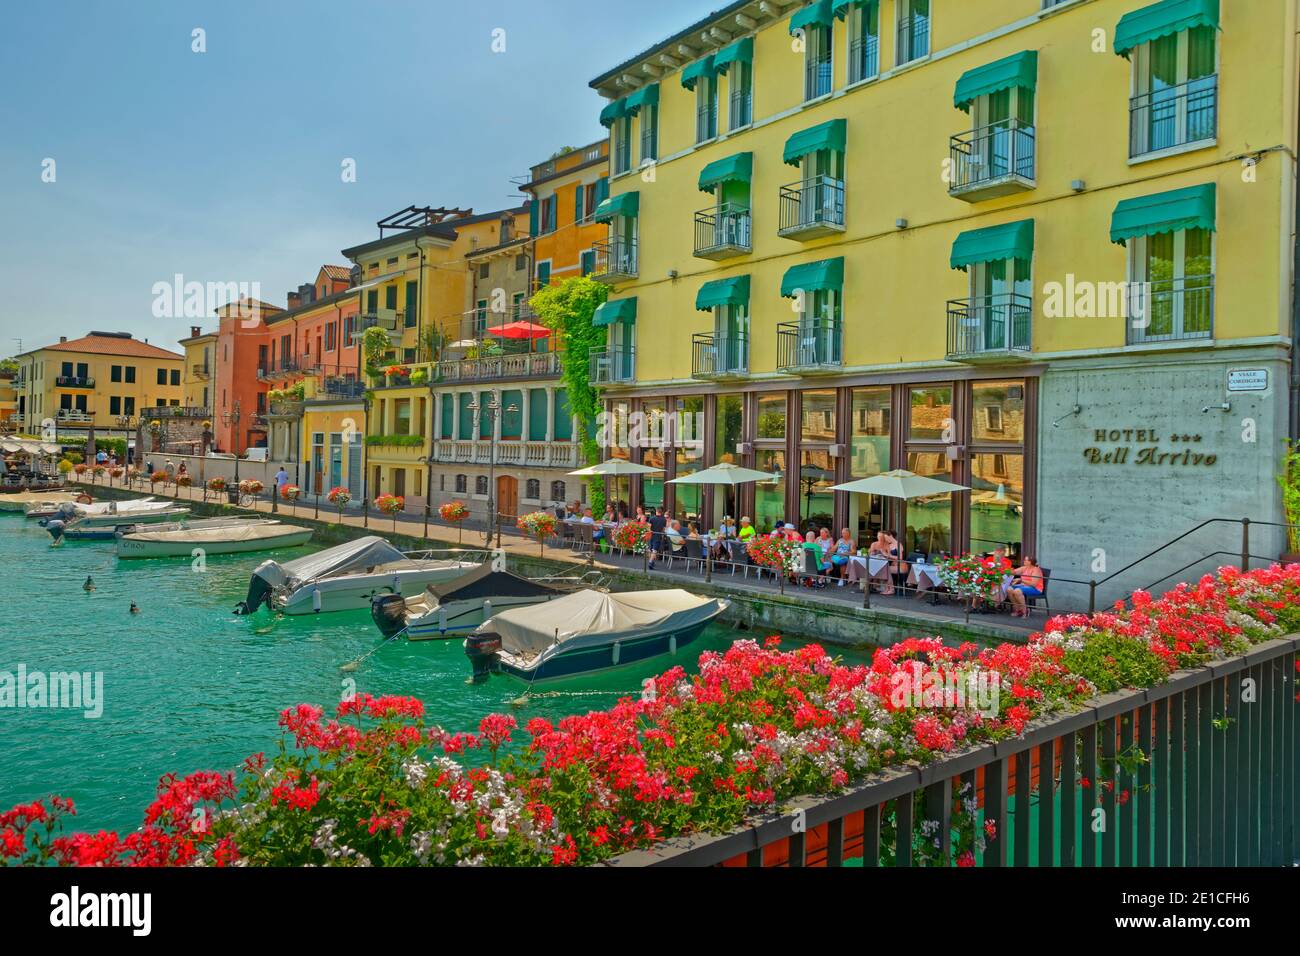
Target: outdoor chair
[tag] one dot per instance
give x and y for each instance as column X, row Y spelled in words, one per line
column 1033, row 602
column 739, row 557
column 694, row 553
column 582, row 541
column 812, row 569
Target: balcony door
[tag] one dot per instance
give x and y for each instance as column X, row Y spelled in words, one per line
column 998, row 150
column 822, row 196
column 998, row 318
column 1175, row 96
column 1174, row 272
column 731, row 338
column 819, row 329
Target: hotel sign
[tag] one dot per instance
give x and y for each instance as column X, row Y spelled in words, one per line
column 1144, row 446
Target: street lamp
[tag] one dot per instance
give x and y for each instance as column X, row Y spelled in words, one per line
column 492, row 408
column 231, row 418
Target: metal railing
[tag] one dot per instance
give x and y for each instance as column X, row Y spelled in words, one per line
column 76, row 415
column 501, row 366
column 986, row 324
column 343, row 387
column 809, row 344
column 741, row 109
column 715, row 355
column 723, row 228
column 1168, row 310
column 864, row 58
column 706, row 122
column 74, row 381
column 1174, row 116
column 649, row 138
column 613, row 365
column 176, row 411
column 615, row 259
column 991, row 154
column 622, row 158
column 812, row 205
column 816, row 76
column 913, row 38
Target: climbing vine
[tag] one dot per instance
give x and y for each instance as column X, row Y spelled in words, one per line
column 567, row 309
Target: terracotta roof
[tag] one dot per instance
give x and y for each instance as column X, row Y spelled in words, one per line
column 97, row 343
column 244, row 301
column 337, row 272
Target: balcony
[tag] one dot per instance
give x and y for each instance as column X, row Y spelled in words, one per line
column 723, row 231
column 503, row 366
column 615, row 260
column 809, row 347
column 388, row 319
column 342, row 387
column 286, row 410
column 1176, row 117
column 200, row 373
column 1171, row 310
column 812, row 208
column 74, row 381
column 74, row 416
column 719, row 356
column 281, row 370
column 176, row 411
column 509, row 451
column 613, row 366
column 992, row 161
column 990, row 328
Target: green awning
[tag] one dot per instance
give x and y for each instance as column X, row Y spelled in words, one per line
column 742, row 51
column 1012, row 240
column 646, row 96
column 1019, row 69
column 693, row 72
column 815, row 14
column 733, row 291
column 624, row 204
column 615, row 310
column 828, row 135
column 1190, row 208
column 813, row 277
column 613, row 111
column 730, row 169
column 840, row 8
column 1163, row 19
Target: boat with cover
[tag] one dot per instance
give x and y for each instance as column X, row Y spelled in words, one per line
column 454, row 608
column 348, row 576
column 588, row 632
column 82, row 505
column 76, row 531
column 248, row 536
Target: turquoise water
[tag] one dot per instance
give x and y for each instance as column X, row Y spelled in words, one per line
column 188, row 685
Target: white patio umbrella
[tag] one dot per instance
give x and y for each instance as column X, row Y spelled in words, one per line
column 616, row 468
column 723, row 473
column 900, row 483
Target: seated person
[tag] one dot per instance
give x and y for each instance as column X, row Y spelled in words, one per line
column 1026, row 582
column 841, row 554
column 673, row 535
column 746, row 530
column 997, row 561
column 811, row 546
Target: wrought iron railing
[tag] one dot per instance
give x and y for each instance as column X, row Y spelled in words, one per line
column 1174, row 116
column 613, row 365
column 812, row 204
column 615, row 258
column 723, row 227
column 913, row 38
column 809, row 344
column 991, row 154
column 816, row 76
column 1170, row 309
column 706, row 122
column 715, row 355
column 864, row 58
column 741, row 110
column 74, row 381
column 989, row 324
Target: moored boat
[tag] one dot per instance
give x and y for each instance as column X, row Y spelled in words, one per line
column 77, row 531
column 250, row 536
column 588, row 632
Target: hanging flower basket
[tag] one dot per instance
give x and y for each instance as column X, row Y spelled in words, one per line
column 217, row 484
column 966, row 575
column 539, row 525
column 633, row 536
column 290, row 492
column 391, row 505
column 250, row 486
column 778, row 554
column 454, row 512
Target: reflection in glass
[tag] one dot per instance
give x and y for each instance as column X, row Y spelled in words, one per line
column 818, row 413
column 931, row 412
column 769, row 496
column 870, row 432
column 996, row 502
column 998, row 412
column 816, row 500
column 771, row 415
column 929, row 520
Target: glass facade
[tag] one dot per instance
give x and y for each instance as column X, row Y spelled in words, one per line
column 769, row 496
column 929, row 520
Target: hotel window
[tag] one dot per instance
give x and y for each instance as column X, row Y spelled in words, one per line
column 622, row 134
column 706, row 107
column 1175, row 92
column 558, row 491
column 1174, row 272
column 913, row 30
column 115, row 405
column 740, row 77
column 587, row 261
column 864, row 41
column 130, row 374
column 548, row 214
column 176, row 377
column 461, row 484
column 592, row 193
column 649, row 132
column 115, row 373
column 817, row 59
column 390, row 297
column 481, row 485
column 162, row 374
column 533, row 489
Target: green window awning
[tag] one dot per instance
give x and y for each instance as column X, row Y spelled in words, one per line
column 1178, row 209
column 694, row 71
column 613, row 111
column 1017, row 70
column 734, row 291
column 813, row 277
column 730, row 169
column 742, row 51
column 1163, row 19
column 624, row 204
column 646, row 96
column 815, row 14
column 1012, row 240
column 841, row 8
column 829, row 135
column 615, row 310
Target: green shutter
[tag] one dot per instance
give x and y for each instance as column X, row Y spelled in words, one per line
column 733, row 291
column 730, row 169
column 577, row 204
column 813, row 277
column 815, row 14
column 1012, row 240
column 484, row 416
column 534, row 209
column 464, row 400
column 1163, row 19
column 830, row 135
column 646, row 96
column 372, row 301
column 1190, row 208
column 694, row 72
column 613, row 111
column 615, row 310
column 537, row 414
column 448, row 414
column 390, row 297
column 624, row 204
column 742, row 51
column 1018, row 70
column 602, row 189
column 563, row 416
column 512, row 423
column 543, row 274
column 412, row 304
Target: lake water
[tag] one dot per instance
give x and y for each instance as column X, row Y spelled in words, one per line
column 188, row 685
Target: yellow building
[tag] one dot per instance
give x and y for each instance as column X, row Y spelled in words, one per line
column 1040, row 249
column 95, row 381
column 564, row 192
column 197, row 374
column 333, row 429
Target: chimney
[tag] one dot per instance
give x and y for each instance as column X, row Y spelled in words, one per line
column 194, row 331
column 62, row 339
column 293, row 300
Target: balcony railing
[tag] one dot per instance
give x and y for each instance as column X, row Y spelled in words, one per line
column 622, row 154
column 286, row 408
column 913, row 38
column 816, row 77
column 991, row 161
column 201, row 372
column 706, row 123
column 809, row 346
column 75, row 416
column 741, row 111
column 200, row 412
column 615, row 260
column 614, row 365
column 1175, row 116
column 990, row 327
column 1169, row 310
column 509, row 451
column 812, row 208
column 343, row 388
column 723, row 231
column 864, row 58
column 74, row 381
column 719, row 356
column 504, row 366
column 391, row 322
column 279, row 370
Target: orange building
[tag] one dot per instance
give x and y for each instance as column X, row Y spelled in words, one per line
column 565, row 191
column 242, row 335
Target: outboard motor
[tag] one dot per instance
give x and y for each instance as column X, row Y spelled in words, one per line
column 389, row 613
column 55, row 527
column 266, row 577
column 65, row 513
column 482, row 650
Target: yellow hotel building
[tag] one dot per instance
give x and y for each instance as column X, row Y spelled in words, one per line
column 1041, row 249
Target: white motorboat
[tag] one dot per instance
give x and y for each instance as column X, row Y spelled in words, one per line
column 110, row 513
column 77, row 531
column 348, row 576
column 588, row 632
column 455, row 608
column 236, row 539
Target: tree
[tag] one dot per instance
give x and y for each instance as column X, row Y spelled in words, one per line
column 9, row 366
column 567, row 309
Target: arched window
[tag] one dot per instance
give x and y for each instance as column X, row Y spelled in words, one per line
column 532, row 489
column 481, row 485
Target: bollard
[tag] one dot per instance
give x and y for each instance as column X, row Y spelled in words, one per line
column 1245, row 544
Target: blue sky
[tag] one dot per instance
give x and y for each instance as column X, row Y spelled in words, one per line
column 224, row 166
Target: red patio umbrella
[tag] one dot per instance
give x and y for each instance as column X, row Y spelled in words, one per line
column 520, row 330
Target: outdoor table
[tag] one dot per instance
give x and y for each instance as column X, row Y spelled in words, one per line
column 874, row 567
column 923, row 577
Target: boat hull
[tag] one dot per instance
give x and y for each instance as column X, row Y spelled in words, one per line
column 464, row 616
column 355, row 592
column 603, row 657
column 128, row 548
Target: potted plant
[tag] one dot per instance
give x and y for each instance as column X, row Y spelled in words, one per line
column 420, row 376
column 339, row 497
column 539, row 525
column 391, row 505
column 397, row 375
column 290, row 492
column 454, row 512
column 1289, row 481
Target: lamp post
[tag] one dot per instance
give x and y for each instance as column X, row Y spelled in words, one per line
column 427, row 461
column 231, row 418
column 127, row 424
column 492, row 409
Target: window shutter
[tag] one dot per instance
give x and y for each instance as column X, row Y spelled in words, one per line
column 577, row 203
column 532, row 217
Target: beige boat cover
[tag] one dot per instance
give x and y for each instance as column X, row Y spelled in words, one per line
column 527, row 631
column 198, row 536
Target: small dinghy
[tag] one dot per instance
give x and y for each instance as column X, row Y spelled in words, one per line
column 588, row 632
column 456, row 607
column 249, row 536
